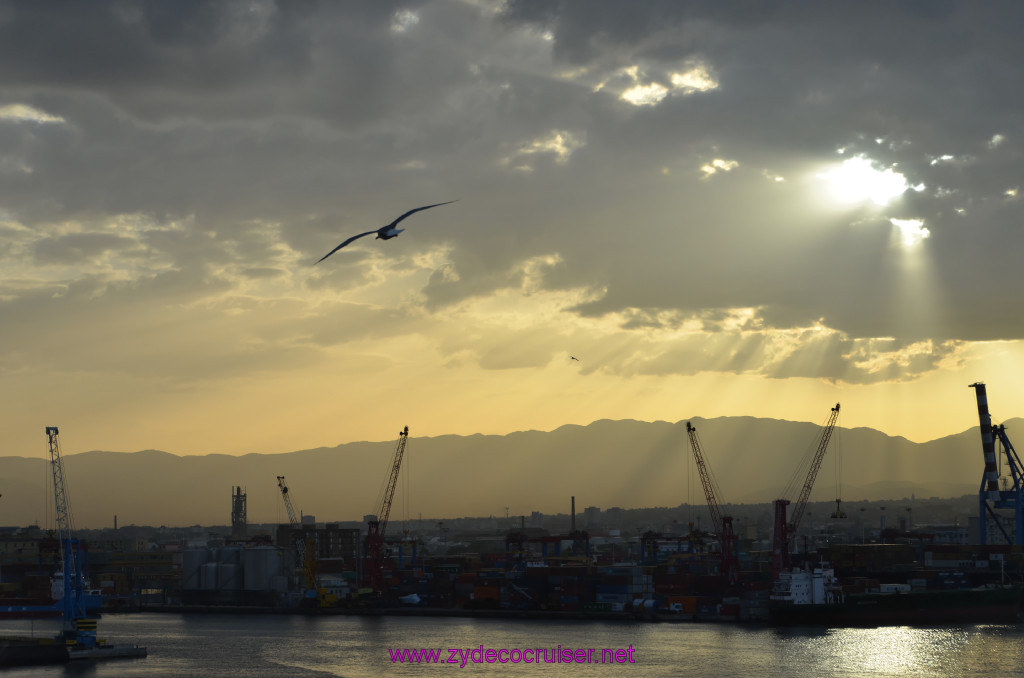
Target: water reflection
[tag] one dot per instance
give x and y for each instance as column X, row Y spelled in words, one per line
column 903, row 651
column 276, row 645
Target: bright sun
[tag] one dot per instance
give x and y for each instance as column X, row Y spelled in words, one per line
column 857, row 180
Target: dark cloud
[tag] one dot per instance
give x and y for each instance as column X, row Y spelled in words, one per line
column 251, row 136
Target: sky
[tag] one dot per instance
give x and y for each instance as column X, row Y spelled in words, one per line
column 748, row 208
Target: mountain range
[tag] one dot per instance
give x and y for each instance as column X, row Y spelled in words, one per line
column 623, row 463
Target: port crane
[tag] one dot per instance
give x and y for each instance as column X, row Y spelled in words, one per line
column 723, row 524
column 76, row 628
column 373, row 545
column 305, row 549
column 784, row 529
column 990, row 496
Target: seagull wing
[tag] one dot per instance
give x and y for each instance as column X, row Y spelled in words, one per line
column 355, row 237
column 426, row 207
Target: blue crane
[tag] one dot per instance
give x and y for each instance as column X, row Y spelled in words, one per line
column 76, row 629
column 990, row 496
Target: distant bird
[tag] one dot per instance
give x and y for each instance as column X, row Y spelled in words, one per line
column 385, row 232
column 572, row 357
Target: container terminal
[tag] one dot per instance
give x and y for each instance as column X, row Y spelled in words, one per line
column 793, row 562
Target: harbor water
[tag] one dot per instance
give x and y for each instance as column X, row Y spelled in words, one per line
column 284, row 645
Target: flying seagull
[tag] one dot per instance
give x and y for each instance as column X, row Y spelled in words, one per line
column 385, row 232
column 574, row 358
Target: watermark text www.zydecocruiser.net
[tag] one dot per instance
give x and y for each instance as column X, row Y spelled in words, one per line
column 479, row 655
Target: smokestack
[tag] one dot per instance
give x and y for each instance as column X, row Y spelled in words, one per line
column 573, row 513
column 115, row 522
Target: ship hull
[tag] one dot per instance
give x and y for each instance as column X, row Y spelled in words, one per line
column 925, row 608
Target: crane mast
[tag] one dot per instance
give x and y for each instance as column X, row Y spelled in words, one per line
column 722, row 524
column 374, row 544
column 785, row 529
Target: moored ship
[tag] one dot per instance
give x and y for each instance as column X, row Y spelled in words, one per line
column 815, row 597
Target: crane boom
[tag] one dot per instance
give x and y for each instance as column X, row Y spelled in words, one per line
column 705, row 478
column 783, row 529
column 60, row 493
column 723, row 524
column 305, row 549
column 389, row 491
column 287, row 502
column 375, row 529
column 812, row 472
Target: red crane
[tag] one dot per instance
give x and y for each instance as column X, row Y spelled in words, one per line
column 722, row 524
column 373, row 564
column 783, row 529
